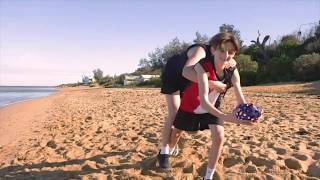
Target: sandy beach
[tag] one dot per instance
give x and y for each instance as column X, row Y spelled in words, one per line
column 113, row 133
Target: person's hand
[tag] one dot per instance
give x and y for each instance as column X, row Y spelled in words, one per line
column 230, row 63
column 217, row 85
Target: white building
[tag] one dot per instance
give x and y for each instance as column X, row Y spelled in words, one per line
column 137, row 79
column 86, row 80
column 144, row 78
column 130, row 80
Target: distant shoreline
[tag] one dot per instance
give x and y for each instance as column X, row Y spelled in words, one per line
column 15, row 94
column 25, row 100
column 26, row 86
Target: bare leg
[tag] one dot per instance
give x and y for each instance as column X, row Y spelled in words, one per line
column 173, row 103
column 175, row 136
column 217, row 135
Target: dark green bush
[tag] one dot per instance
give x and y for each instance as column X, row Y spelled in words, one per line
column 244, row 63
column 151, row 83
column 307, row 67
column 248, row 78
column 247, row 70
column 279, row 69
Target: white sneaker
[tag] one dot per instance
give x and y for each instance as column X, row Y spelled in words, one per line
column 174, row 151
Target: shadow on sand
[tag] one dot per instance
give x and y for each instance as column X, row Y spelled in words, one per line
column 35, row 171
column 311, row 89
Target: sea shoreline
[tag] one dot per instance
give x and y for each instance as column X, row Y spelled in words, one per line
column 15, row 94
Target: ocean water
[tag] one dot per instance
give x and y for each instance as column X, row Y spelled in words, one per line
column 14, row 94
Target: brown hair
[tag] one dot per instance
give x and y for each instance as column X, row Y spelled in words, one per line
column 218, row 41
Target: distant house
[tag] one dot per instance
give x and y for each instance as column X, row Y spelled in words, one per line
column 144, row 78
column 86, row 80
column 130, row 80
column 137, row 79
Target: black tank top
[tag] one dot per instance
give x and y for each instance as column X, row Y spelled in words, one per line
column 204, row 46
column 183, row 57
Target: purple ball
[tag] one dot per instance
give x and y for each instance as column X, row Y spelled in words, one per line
column 248, row 112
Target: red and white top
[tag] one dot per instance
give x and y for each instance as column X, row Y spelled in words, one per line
column 190, row 101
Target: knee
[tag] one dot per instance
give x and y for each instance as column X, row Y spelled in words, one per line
column 218, row 138
column 178, row 132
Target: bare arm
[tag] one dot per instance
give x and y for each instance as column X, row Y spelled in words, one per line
column 204, row 98
column 194, row 55
column 203, row 84
column 237, row 87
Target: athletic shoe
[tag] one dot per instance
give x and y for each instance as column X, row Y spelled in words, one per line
column 163, row 160
column 175, row 151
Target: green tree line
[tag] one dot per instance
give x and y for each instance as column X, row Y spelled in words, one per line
column 294, row 57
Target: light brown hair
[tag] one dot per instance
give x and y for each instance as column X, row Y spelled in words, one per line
column 218, row 41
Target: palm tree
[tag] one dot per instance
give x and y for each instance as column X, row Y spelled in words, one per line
column 263, row 57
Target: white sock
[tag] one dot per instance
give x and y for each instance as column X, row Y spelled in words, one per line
column 165, row 150
column 209, row 173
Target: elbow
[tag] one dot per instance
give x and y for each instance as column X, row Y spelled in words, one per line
column 205, row 105
column 185, row 72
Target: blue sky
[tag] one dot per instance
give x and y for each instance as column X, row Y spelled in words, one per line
column 49, row 42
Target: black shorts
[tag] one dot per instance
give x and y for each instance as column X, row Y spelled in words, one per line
column 171, row 78
column 193, row 122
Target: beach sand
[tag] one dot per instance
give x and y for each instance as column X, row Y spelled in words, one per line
column 110, row 133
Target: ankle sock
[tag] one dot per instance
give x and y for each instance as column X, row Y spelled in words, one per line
column 209, row 173
column 165, row 150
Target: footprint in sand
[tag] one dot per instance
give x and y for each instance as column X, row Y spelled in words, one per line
column 293, row 163
column 300, row 156
column 232, row 161
column 314, row 169
column 280, row 151
column 260, row 161
column 251, row 169
column 316, row 155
